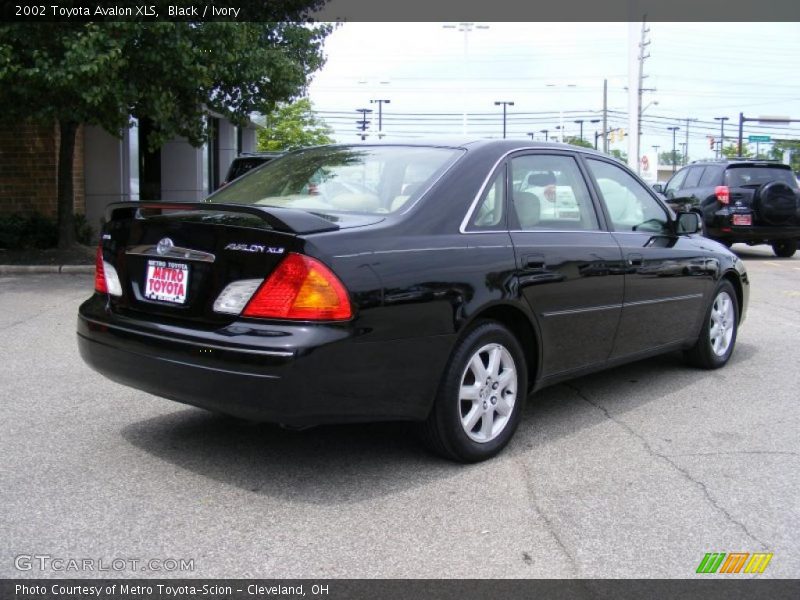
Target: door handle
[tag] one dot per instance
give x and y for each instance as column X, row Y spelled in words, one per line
column 533, row 261
column 635, row 260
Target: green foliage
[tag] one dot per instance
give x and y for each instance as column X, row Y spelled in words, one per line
column 576, row 141
column 37, row 231
column 665, row 158
column 793, row 146
column 170, row 73
column 619, row 155
column 292, row 126
column 732, row 150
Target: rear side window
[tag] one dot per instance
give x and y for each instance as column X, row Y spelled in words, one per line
column 675, row 183
column 752, row 175
column 711, row 176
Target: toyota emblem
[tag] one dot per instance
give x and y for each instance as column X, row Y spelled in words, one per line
column 164, row 246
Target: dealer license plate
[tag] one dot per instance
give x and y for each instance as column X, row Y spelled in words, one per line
column 166, row 281
column 742, row 219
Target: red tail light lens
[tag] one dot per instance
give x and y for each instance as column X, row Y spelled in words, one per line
column 99, row 273
column 723, row 194
column 300, row 288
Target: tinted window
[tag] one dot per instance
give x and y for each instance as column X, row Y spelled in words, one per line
column 738, row 176
column 240, row 166
column 693, row 177
column 711, row 176
column 365, row 179
column 675, row 183
column 549, row 192
column 490, row 212
column 629, row 204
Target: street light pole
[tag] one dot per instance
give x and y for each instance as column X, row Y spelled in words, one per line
column 545, row 132
column 674, row 157
column 530, row 133
column 580, row 122
column 362, row 123
column 380, row 104
column 466, row 28
column 505, row 104
column 721, row 134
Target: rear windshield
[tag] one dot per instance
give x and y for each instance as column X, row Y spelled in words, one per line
column 753, row 175
column 362, row 179
column 240, row 166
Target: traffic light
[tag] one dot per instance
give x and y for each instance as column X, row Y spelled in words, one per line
column 711, row 142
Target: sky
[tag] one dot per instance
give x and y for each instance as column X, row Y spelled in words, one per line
column 554, row 72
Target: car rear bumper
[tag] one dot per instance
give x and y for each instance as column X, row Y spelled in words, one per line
column 753, row 233
column 298, row 375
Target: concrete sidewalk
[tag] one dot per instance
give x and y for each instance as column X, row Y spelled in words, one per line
column 40, row 269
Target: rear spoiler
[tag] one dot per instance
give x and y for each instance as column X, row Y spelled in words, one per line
column 288, row 220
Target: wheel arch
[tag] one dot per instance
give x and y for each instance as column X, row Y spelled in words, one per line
column 521, row 326
column 733, row 277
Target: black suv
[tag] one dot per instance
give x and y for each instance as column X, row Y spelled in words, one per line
column 741, row 200
column 247, row 161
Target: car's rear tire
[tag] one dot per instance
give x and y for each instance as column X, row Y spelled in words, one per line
column 714, row 346
column 481, row 397
column 784, row 248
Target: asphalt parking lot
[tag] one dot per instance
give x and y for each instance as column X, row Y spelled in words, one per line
column 635, row 472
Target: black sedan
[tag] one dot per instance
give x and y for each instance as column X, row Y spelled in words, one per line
column 438, row 283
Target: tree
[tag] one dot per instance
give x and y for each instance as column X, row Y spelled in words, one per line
column 576, row 141
column 732, row 150
column 171, row 73
column 792, row 146
column 294, row 125
column 619, row 155
column 665, row 158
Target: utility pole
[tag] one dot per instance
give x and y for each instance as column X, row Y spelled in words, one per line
column 380, row 104
column 686, row 152
column 683, row 149
column 605, row 116
column 674, row 157
column 363, row 123
column 636, row 79
column 721, row 134
column 505, row 104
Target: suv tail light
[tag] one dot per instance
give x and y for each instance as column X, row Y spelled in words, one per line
column 723, row 194
column 99, row 272
column 106, row 280
column 300, row 288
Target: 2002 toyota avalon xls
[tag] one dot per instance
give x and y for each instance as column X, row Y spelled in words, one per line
column 436, row 283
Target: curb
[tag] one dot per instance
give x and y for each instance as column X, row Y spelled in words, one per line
column 41, row 269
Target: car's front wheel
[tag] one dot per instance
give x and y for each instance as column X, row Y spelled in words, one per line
column 784, row 248
column 481, row 397
column 714, row 346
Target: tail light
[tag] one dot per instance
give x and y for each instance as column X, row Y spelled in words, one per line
column 106, row 280
column 300, row 288
column 723, row 194
column 99, row 272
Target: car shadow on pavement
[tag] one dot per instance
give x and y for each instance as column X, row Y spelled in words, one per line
column 351, row 463
column 759, row 253
column 329, row 464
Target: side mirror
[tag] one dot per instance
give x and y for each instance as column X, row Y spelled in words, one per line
column 658, row 187
column 689, row 222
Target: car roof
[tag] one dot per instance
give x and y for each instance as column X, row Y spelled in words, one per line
column 507, row 145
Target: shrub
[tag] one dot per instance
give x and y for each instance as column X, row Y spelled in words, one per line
column 19, row 232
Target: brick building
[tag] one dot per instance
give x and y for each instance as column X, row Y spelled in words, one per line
column 113, row 169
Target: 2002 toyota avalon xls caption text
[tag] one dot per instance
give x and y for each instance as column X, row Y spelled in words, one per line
column 435, row 283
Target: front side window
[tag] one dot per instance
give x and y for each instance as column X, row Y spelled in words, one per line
column 693, row 177
column 676, row 182
column 549, row 192
column 629, row 204
column 331, row 179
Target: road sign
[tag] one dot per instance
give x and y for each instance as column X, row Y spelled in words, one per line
column 758, row 138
